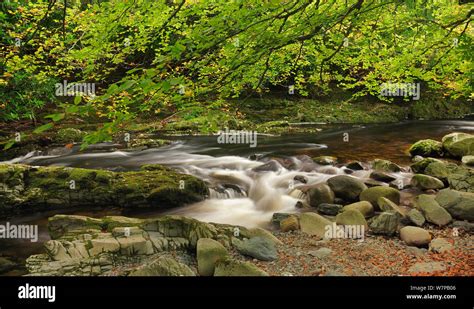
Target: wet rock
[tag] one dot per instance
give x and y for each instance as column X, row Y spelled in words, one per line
column 163, row 266
column 419, row 167
column 313, row 224
column 426, row 148
column 329, row 209
column 432, row 211
column 381, row 176
column 233, row 268
column 386, row 223
column 270, row 166
column 346, row 187
column 438, row 170
column 385, row 166
column 289, row 224
column 320, row 193
column 351, row 217
column 277, row 217
column 257, row 247
column 425, row 182
column 440, row 245
column 301, row 178
column 459, row 144
column 416, row 217
column 373, row 194
column 355, row 165
column 325, row 160
column 415, row 236
column 373, row 183
column 364, row 207
column 209, row 252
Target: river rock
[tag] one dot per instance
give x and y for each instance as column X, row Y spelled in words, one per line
column 432, row 211
column 277, row 217
column 415, row 236
column 321, row 253
column 355, row 166
column 459, row 144
column 440, row 245
column 426, row 148
column 416, row 217
column 381, row 176
column 325, row 160
column 459, row 204
column 232, row 268
column 386, row 223
column 209, row 252
column 329, row 209
column 300, row 178
column 346, row 187
column 373, row 194
column 351, row 217
column 313, row 224
column 257, row 247
column 289, row 224
column 468, row 160
column 419, row 167
column 364, row 207
column 135, row 245
column 270, row 166
column 460, row 177
column 438, row 170
column 320, row 193
column 425, row 182
column 385, row 166
column 387, row 205
column 69, row 135
column 163, row 266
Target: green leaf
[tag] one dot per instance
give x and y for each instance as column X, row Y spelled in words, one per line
column 56, row 117
column 9, row 144
column 43, row 128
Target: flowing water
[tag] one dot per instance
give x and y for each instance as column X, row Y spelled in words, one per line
column 247, row 184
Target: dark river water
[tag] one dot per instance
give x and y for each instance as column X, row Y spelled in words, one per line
column 264, row 193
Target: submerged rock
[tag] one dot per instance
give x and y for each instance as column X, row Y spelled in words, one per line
column 325, row 160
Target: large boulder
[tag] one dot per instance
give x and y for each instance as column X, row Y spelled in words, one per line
column 459, row 144
column 351, row 217
column 459, row 204
column 313, row 224
column 320, row 193
column 415, row 236
column 386, row 223
column 373, row 194
column 163, row 266
column 385, row 166
column 432, row 211
column 426, row 148
column 346, row 187
column 258, row 247
column 421, row 165
column 364, row 207
column 232, row 268
column 460, row 177
column 209, row 252
column 425, row 182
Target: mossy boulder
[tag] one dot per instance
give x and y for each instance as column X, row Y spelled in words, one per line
column 346, row 187
column 425, row 182
column 319, row 194
column 426, row 148
column 373, row 194
column 385, row 166
column 420, row 166
column 163, row 266
column 459, row 204
column 351, row 217
column 364, row 207
column 385, row 224
column 313, row 224
column 387, row 205
column 459, row 144
column 432, row 211
column 232, row 268
column 209, row 252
